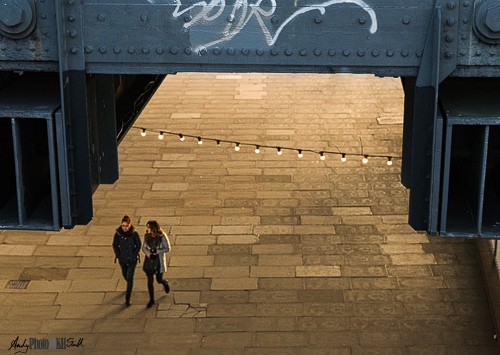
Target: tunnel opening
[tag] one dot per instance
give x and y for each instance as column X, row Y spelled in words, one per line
column 8, row 195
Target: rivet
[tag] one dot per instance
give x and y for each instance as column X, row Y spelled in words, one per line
column 450, row 38
column 74, row 50
column 44, row 32
column 145, row 50
column 375, row 53
column 450, row 21
column 390, row 53
column 245, row 51
column 318, row 19
column 362, row 20
column 73, row 34
column 101, row 17
column 89, row 49
column 203, row 50
column 463, row 36
column 288, row 52
column 144, row 18
column 46, row 49
column 346, row 52
column 71, row 18
column 448, row 54
column 405, row 53
column 174, row 50
column 331, row 52
column 274, row 20
column 71, row 2
column 465, row 20
column 317, row 52
column 159, row 50
column 102, row 49
column 361, row 53
column 419, row 53
column 478, row 53
column 260, row 52
column 131, row 49
column 303, row 52
column 274, row 52
column 231, row 51
column 451, row 5
column 230, row 18
column 406, row 20
column 117, row 50
column 44, row 16
column 216, row 50
column 188, row 18
column 462, row 53
column 466, row 3
column 188, row 50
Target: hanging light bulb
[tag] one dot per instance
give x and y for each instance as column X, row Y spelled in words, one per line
column 343, row 159
column 257, row 149
column 143, row 133
column 389, row 161
column 200, row 141
column 300, row 155
column 321, row 156
column 237, row 147
column 160, row 136
column 365, row 159
column 279, row 151
column 182, row 138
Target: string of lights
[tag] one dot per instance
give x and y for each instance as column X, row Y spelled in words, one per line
column 279, row 150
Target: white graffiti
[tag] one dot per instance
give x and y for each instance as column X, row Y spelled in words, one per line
column 243, row 11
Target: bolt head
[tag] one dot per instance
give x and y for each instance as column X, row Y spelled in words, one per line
column 492, row 20
column 11, row 13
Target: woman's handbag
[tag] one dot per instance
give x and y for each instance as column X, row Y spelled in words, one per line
column 151, row 265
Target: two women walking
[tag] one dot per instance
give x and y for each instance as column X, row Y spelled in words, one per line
column 126, row 245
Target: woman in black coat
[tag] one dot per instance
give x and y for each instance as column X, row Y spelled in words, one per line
column 126, row 244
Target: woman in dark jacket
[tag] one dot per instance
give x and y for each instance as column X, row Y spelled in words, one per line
column 126, row 245
column 155, row 245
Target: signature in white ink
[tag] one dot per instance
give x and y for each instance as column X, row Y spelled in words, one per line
column 243, row 11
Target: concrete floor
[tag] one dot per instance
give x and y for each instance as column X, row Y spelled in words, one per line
column 271, row 254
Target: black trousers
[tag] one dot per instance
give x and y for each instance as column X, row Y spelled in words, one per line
column 128, row 275
column 159, row 279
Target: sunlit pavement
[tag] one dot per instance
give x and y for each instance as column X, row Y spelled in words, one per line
column 271, row 254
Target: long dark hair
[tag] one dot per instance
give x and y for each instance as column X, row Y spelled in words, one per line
column 155, row 228
column 156, row 231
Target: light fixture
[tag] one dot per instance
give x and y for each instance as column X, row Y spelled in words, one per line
column 257, row 149
column 218, row 143
column 200, row 141
column 237, row 147
column 343, row 159
column 389, row 160
column 365, row 159
column 181, row 137
column 321, row 156
column 279, row 151
column 300, row 155
column 160, row 136
column 143, row 133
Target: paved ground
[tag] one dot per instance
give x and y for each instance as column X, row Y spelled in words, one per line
column 271, row 254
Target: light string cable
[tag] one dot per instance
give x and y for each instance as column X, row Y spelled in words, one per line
column 279, row 149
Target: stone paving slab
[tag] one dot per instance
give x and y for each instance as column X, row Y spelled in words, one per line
column 271, row 255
